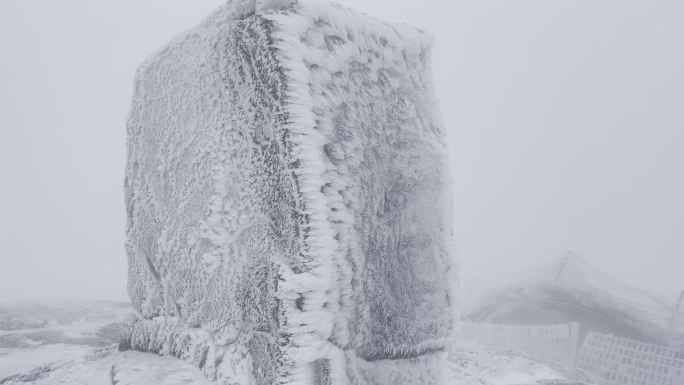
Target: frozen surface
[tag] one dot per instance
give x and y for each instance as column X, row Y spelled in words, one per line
column 468, row 365
column 38, row 333
column 77, row 363
column 108, row 366
column 15, row 360
column 288, row 200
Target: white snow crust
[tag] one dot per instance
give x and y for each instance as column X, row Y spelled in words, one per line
column 287, row 198
column 467, row 365
column 470, row 364
column 107, row 367
column 33, row 334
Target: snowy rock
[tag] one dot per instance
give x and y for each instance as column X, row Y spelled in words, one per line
column 288, row 200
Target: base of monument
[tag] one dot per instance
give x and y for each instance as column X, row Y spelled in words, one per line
column 239, row 360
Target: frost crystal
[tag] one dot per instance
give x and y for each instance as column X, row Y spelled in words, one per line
column 288, row 200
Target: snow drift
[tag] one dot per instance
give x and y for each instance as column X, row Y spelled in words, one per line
column 288, row 200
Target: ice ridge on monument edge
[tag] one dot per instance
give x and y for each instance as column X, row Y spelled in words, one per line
column 288, row 200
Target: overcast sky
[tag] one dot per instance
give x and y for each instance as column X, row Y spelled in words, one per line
column 566, row 122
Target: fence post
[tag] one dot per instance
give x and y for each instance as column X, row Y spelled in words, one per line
column 677, row 320
column 575, row 346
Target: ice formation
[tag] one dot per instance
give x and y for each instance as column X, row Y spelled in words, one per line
column 288, row 200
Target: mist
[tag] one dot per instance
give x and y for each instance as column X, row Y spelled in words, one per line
column 565, row 125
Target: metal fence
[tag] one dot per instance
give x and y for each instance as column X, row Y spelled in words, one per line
column 620, row 361
column 553, row 343
column 607, row 359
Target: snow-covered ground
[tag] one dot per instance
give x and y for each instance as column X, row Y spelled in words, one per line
column 109, row 366
column 39, row 333
column 470, row 364
column 76, row 343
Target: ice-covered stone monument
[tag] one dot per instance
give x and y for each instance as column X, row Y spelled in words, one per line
column 288, row 202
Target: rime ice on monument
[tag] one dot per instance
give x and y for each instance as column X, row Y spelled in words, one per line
column 288, row 201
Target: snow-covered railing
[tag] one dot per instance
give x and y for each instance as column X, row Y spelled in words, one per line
column 619, row 361
column 551, row 343
column 677, row 321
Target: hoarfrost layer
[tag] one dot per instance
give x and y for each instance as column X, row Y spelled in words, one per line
column 288, row 203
